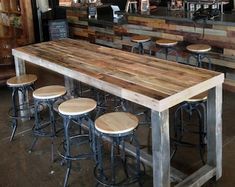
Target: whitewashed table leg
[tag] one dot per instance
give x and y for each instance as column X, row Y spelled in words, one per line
column 160, row 148
column 19, row 66
column 214, row 129
column 20, row 70
column 71, row 86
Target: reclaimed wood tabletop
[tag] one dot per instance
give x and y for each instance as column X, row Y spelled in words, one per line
column 152, row 82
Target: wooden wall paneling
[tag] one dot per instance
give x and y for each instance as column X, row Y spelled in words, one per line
column 78, row 22
column 220, row 37
column 229, row 52
column 27, row 21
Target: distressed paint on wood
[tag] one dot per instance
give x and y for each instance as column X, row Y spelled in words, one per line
column 214, row 129
column 199, row 177
column 161, row 148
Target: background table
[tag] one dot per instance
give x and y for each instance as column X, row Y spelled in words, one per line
column 150, row 82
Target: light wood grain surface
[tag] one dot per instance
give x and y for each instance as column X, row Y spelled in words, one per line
column 199, row 48
column 77, row 106
column 165, row 42
column 49, row 92
column 151, row 82
column 22, row 80
column 116, row 123
column 140, row 38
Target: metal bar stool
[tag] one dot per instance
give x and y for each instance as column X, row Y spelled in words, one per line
column 167, row 46
column 196, row 105
column 77, row 110
column 107, row 102
column 140, row 42
column 198, row 51
column 117, row 126
column 22, row 84
column 47, row 96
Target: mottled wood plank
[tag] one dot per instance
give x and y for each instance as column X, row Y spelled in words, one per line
column 153, row 77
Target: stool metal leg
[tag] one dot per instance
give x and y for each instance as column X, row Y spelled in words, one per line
column 141, row 48
column 190, row 108
column 53, row 130
column 123, row 157
column 67, row 139
column 199, row 57
column 38, row 129
column 137, row 154
column 36, row 123
column 112, row 161
column 166, row 51
column 15, row 122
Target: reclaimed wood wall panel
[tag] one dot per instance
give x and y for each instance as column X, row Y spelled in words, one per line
column 78, row 22
column 217, row 35
column 220, row 37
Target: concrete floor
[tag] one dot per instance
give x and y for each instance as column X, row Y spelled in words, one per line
column 19, row 168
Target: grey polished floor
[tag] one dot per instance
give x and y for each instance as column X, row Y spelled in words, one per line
column 19, row 168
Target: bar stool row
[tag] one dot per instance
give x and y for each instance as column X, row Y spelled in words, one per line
column 115, row 127
column 196, row 105
column 197, row 51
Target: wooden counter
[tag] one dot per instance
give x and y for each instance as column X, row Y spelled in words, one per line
column 150, row 82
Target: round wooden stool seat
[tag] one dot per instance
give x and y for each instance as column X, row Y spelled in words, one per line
column 140, row 39
column 49, row 92
column 77, row 106
column 21, row 80
column 199, row 48
column 116, row 123
column 166, row 43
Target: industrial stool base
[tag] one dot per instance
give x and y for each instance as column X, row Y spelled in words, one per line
column 77, row 140
column 166, row 46
column 107, row 102
column 117, row 127
column 20, row 84
column 128, row 176
column 199, row 59
column 76, row 110
column 140, row 42
column 15, row 111
column 180, row 127
column 198, row 51
column 40, row 129
column 46, row 96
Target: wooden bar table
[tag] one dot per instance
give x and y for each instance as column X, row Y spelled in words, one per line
column 154, row 83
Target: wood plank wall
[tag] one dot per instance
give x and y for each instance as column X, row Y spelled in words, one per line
column 220, row 37
column 78, row 22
